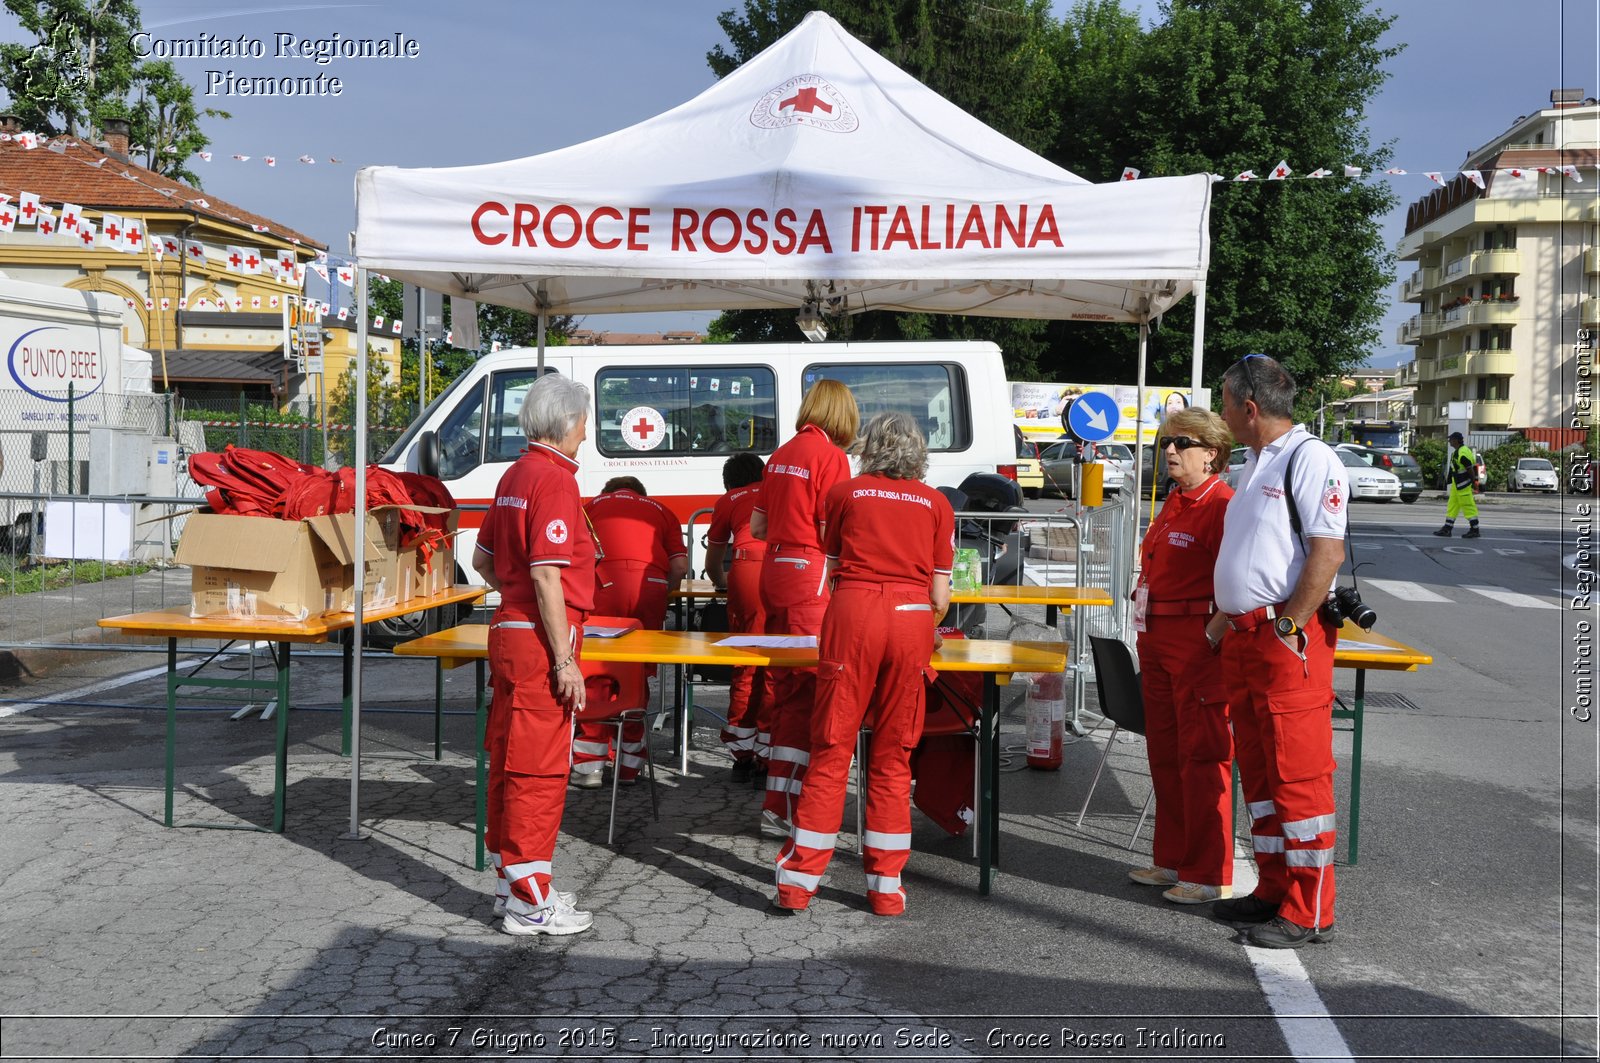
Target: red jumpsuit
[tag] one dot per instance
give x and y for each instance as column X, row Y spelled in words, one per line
column 638, row 538
column 536, row 519
column 797, row 480
column 888, row 539
column 748, row 733
column 1185, row 697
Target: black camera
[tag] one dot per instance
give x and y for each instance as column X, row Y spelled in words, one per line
column 1346, row 604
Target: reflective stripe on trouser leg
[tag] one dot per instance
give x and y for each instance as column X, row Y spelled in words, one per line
column 739, row 741
column 591, row 745
column 788, row 762
column 634, row 751
column 795, row 605
column 1248, row 713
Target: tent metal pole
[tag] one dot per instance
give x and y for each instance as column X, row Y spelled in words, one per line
column 543, row 317
column 360, row 459
column 1138, row 421
column 1197, row 363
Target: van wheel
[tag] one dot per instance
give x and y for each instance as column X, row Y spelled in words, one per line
column 1030, row 492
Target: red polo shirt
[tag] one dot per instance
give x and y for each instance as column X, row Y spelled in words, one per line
column 1180, row 549
column 798, row 478
column 537, row 519
column 634, row 528
column 889, row 531
column 730, row 520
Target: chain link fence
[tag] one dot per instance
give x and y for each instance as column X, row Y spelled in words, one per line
column 298, row 430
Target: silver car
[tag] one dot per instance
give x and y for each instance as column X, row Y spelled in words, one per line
column 1057, row 461
column 1367, row 482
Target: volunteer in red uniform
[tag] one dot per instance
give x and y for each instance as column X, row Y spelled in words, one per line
column 535, row 549
column 748, row 732
column 797, row 480
column 1185, row 698
column 889, row 540
column 641, row 559
column 1272, row 583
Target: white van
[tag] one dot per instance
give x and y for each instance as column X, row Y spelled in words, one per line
column 671, row 415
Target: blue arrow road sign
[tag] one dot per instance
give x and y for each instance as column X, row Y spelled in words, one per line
column 1093, row 416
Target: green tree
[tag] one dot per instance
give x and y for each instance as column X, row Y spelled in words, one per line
column 386, row 406
column 81, row 70
column 163, row 120
column 993, row 58
column 1225, row 86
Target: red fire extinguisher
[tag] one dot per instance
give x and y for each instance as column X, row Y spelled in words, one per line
column 1046, row 715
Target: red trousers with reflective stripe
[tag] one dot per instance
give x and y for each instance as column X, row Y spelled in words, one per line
column 870, row 662
column 795, row 599
column 622, row 588
column 1190, row 749
column 1280, row 696
column 749, row 727
column 529, row 735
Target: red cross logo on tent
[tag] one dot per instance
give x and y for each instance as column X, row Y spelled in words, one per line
column 643, row 428
column 806, row 100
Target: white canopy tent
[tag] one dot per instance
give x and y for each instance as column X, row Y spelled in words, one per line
column 819, row 177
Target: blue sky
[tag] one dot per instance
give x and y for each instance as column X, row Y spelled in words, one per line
column 500, row 79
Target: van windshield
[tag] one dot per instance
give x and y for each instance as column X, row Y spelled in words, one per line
column 935, row 394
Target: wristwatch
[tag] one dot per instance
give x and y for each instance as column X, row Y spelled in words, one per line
column 1285, row 626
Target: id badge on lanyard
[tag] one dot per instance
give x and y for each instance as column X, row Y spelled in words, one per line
column 1141, row 606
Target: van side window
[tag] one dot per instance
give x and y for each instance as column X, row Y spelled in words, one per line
column 934, row 393
column 506, row 441
column 461, row 436
column 661, row 410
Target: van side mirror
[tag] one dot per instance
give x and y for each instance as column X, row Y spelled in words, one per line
column 428, row 453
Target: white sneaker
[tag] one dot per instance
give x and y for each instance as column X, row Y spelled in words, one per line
column 774, row 825
column 1197, row 893
column 555, row 919
column 1154, row 876
column 562, row 896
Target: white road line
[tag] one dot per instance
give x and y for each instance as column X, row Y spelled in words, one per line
column 1406, row 592
column 95, row 688
column 1505, row 597
column 1307, row 1027
column 1303, row 1018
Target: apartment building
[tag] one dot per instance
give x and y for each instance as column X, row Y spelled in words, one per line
column 1505, row 274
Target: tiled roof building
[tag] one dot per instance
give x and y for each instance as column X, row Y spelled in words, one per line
column 208, row 325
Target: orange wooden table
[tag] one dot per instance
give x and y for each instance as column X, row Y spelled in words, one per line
column 176, row 623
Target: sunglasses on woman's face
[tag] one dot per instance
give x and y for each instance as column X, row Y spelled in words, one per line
column 1181, row 442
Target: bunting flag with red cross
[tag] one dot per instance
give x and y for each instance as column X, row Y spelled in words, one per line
column 47, row 222
column 70, row 213
column 111, row 231
column 1280, row 172
column 133, row 236
column 196, row 251
column 86, row 233
column 27, row 208
column 8, row 218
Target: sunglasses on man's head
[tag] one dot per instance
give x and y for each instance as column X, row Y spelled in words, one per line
column 1181, row 442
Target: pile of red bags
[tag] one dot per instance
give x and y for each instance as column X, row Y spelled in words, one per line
column 260, row 483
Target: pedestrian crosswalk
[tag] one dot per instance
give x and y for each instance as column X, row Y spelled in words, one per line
column 1415, row 592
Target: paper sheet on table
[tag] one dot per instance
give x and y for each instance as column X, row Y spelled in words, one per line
column 1373, row 647
column 596, row 631
column 772, row 642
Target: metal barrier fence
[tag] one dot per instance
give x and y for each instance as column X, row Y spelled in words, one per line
column 298, row 430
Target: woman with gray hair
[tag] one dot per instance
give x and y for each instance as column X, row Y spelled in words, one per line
column 536, row 550
column 888, row 539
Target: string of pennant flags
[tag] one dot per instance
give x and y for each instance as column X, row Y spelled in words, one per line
column 1282, row 172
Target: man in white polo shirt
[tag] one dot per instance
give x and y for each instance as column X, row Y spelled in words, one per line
column 1272, row 581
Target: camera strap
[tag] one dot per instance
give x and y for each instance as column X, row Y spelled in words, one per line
column 1294, row 511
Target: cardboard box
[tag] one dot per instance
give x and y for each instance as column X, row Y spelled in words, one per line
column 260, row 567
column 438, row 573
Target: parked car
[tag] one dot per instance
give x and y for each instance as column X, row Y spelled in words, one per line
column 1236, row 460
column 1030, row 477
column 1367, row 482
column 1534, row 474
column 1150, row 461
column 1403, row 465
column 1058, row 459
